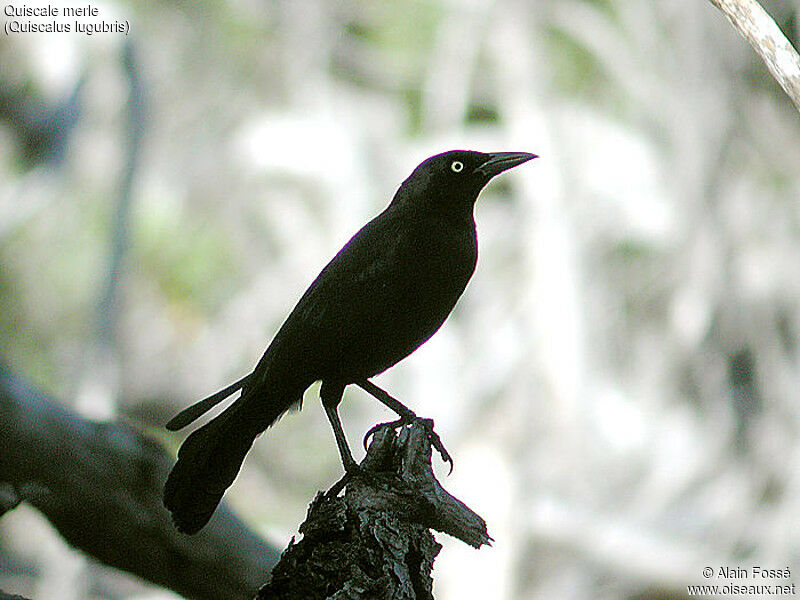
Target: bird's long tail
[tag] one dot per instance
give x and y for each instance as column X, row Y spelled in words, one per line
column 210, row 458
column 198, row 409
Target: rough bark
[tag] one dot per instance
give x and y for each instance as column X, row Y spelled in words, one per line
column 100, row 485
column 374, row 542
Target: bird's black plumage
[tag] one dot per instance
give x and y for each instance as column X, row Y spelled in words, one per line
column 384, row 294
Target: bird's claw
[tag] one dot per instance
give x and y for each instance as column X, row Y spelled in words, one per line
column 374, row 429
column 436, row 442
column 433, row 437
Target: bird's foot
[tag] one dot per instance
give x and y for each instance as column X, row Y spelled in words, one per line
column 392, row 424
column 434, row 438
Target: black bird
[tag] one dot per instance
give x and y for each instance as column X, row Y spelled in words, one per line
column 383, row 295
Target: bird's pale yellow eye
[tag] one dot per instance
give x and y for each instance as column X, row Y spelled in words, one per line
column 456, row 166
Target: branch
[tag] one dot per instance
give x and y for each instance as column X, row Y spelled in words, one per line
column 100, row 485
column 375, row 541
column 5, row 596
column 768, row 40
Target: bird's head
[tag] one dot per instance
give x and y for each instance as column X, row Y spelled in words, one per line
column 451, row 181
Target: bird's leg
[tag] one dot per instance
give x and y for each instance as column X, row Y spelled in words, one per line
column 331, row 396
column 406, row 416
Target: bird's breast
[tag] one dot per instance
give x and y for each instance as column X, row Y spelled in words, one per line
column 386, row 292
column 429, row 275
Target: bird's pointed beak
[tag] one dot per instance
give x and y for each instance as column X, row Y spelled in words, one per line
column 502, row 161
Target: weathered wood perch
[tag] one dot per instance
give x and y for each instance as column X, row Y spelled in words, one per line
column 375, row 541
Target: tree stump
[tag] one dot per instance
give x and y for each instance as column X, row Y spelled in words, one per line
column 374, row 541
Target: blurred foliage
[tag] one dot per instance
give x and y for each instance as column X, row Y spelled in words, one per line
column 196, row 267
column 577, row 71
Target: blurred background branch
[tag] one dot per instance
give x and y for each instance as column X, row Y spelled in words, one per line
column 100, row 378
column 766, row 38
column 100, row 485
